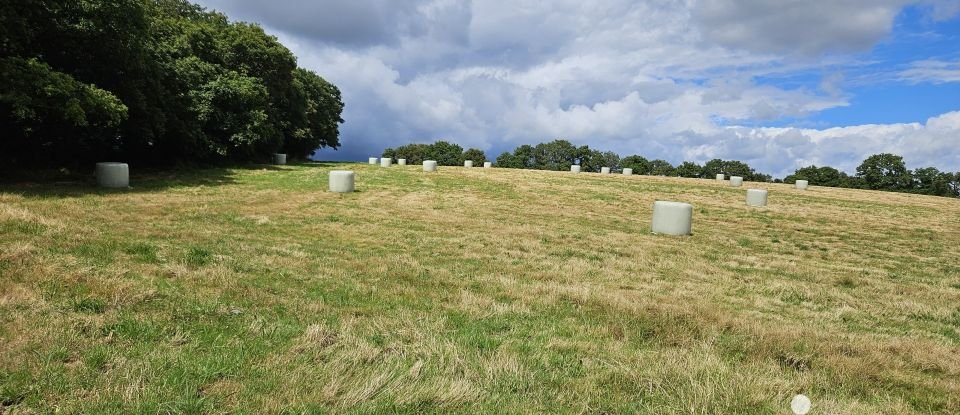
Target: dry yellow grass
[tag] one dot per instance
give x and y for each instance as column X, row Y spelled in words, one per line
column 473, row 290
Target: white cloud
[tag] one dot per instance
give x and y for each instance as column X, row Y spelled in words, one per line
column 781, row 150
column 661, row 78
column 933, row 71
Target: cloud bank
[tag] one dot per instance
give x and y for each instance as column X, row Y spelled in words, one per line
column 680, row 80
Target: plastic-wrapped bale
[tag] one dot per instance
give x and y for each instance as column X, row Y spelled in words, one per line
column 736, row 181
column 628, row 172
column 341, row 181
column 386, row 162
column 401, row 162
column 429, row 165
column 802, row 184
column 672, row 218
column 604, row 170
column 487, row 164
column 756, row 197
column 575, row 168
column 280, row 159
column 468, row 163
column 373, row 160
column 720, row 177
column 113, row 175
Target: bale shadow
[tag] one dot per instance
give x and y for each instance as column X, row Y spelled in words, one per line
column 62, row 184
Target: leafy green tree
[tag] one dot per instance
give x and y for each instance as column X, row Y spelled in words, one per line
column 556, row 155
column 184, row 83
column 52, row 112
column 738, row 168
column 818, row 176
column 611, row 160
column 446, row 154
column 689, row 169
column 955, row 184
column 854, row 182
column 639, row 164
column 732, row 168
column 474, row 154
column 662, row 168
column 314, row 115
column 932, row 181
column 413, row 153
column 591, row 160
column 829, row 176
column 521, row 158
column 712, row 168
column 507, row 161
column 230, row 109
column 885, row 171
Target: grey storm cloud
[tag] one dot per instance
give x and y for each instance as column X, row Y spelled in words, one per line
column 796, row 26
column 668, row 79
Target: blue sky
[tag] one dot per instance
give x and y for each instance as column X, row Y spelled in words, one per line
column 876, row 94
column 779, row 84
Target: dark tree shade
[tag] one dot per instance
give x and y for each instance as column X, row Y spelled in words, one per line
column 152, row 82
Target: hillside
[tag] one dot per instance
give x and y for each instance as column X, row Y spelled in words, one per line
column 472, row 291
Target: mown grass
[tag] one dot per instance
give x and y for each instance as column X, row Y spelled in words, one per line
column 472, row 291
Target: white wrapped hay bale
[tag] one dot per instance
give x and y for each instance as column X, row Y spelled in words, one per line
column 280, row 159
column 373, row 160
column 429, row 165
column 386, row 162
column 802, row 184
column 341, row 181
column 604, row 170
column 401, row 162
column 756, row 197
column 720, row 177
column 113, row 175
column 575, row 168
column 736, row 181
column 468, row 163
column 487, row 164
column 628, row 172
column 672, row 218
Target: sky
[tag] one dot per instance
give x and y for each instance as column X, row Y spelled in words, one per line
column 779, row 84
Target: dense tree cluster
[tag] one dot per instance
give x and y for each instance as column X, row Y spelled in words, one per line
column 445, row 153
column 884, row 172
column 153, row 82
column 560, row 154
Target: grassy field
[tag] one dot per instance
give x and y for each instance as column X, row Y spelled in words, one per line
column 472, row 291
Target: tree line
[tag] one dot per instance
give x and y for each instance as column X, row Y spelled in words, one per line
column 883, row 171
column 444, row 153
column 154, row 82
column 561, row 154
column 878, row 172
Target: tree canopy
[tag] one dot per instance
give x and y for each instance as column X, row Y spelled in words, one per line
column 443, row 152
column 152, row 82
column 883, row 172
